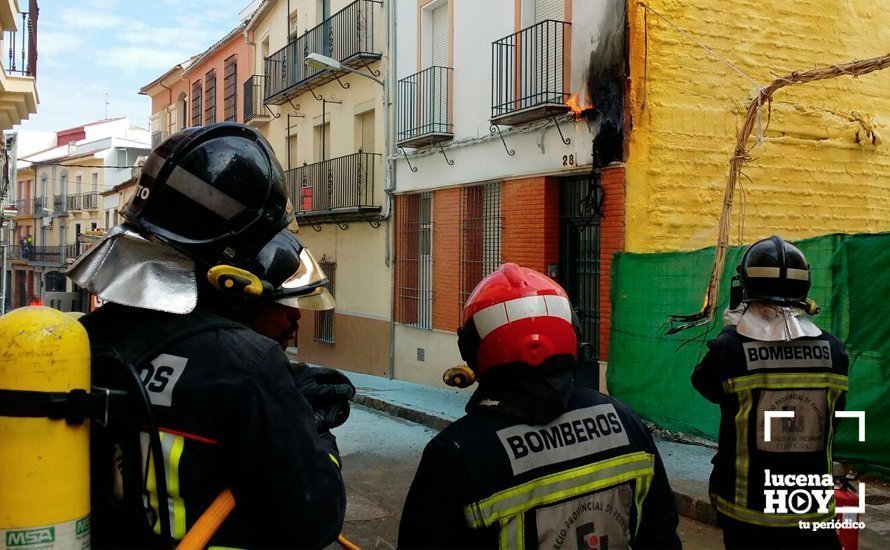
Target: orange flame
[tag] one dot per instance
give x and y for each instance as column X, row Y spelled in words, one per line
column 576, row 107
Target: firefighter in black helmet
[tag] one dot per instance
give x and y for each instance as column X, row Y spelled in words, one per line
column 209, row 245
column 770, row 357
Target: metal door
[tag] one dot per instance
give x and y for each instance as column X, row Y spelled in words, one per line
column 579, row 268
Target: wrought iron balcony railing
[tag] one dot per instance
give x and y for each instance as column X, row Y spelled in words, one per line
column 45, row 254
column 347, row 36
column 254, row 92
column 157, row 138
column 25, row 208
column 335, row 188
column 528, row 73
column 422, row 108
column 39, row 206
column 59, row 205
column 75, row 202
column 22, row 57
column 91, row 201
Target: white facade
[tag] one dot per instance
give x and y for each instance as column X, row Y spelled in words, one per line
column 478, row 154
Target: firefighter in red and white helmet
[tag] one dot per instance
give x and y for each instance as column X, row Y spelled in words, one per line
column 536, row 462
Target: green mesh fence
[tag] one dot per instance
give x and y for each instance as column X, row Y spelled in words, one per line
column 650, row 371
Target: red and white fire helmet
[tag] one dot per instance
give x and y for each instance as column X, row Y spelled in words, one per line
column 516, row 314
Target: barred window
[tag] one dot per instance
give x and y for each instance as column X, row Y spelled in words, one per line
column 324, row 320
column 196, row 103
column 480, row 235
column 230, row 90
column 210, row 97
column 414, row 266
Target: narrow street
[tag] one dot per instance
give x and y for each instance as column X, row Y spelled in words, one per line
column 380, row 454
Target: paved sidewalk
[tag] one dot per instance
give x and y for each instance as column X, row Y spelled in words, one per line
column 687, row 466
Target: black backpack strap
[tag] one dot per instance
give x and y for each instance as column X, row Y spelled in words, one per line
column 139, row 335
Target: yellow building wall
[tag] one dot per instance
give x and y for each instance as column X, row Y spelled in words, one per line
column 818, row 170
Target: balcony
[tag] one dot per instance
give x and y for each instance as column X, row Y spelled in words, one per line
column 25, row 208
column 59, row 205
column 422, row 114
column 18, row 87
column 91, row 201
column 75, row 203
column 529, row 80
column 336, row 190
column 255, row 112
column 347, row 36
column 40, row 209
column 45, row 255
column 157, row 137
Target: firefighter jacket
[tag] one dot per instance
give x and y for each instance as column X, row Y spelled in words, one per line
column 230, row 416
column 590, row 477
column 749, row 378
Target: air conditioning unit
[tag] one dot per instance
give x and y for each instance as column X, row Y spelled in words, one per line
column 47, row 221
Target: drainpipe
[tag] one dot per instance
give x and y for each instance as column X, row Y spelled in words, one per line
column 390, row 179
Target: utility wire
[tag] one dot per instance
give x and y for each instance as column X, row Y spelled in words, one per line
column 702, row 46
column 38, row 164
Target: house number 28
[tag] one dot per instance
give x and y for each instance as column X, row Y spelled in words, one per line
column 568, row 160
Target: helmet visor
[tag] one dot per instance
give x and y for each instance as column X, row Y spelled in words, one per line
column 317, row 300
column 308, row 276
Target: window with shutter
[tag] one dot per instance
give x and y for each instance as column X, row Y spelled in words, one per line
column 210, row 97
column 545, row 60
column 230, row 92
column 196, row 103
column 322, row 143
column 440, row 37
column 549, row 9
column 367, row 132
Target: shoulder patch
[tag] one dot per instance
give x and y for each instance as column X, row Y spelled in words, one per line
column 160, row 377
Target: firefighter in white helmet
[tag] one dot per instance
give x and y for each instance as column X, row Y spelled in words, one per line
column 536, row 462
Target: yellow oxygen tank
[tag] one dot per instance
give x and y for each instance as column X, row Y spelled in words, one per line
column 44, row 463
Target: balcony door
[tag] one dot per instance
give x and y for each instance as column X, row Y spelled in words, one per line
column 324, row 13
column 542, row 55
column 440, row 56
column 367, row 122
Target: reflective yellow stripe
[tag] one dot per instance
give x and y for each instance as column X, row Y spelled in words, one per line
column 784, row 380
column 768, row 520
column 178, row 518
column 558, row 486
column 642, row 489
column 833, row 396
column 746, row 400
column 512, row 536
column 334, row 459
column 171, row 447
column 152, row 489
